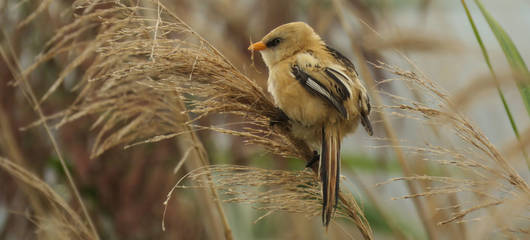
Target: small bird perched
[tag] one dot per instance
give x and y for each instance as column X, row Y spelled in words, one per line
column 320, row 92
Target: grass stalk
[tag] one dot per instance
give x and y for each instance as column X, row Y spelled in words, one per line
column 495, row 79
column 34, row 103
column 9, row 146
column 198, row 155
column 68, row 222
column 201, row 160
column 452, row 197
column 372, row 197
column 390, row 132
column 517, row 64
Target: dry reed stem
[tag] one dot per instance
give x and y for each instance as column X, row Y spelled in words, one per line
column 199, row 158
column 373, row 199
column 515, row 147
column 487, row 174
column 134, row 87
column 409, row 40
column 266, row 190
column 32, row 100
column 365, row 73
column 272, row 191
column 42, row 7
column 66, row 219
column 9, row 147
column 468, row 159
column 461, row 231
column 481, row 160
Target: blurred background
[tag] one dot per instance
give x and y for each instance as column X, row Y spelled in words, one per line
column 124, row 190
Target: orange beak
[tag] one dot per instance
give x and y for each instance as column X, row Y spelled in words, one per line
column 258, row 46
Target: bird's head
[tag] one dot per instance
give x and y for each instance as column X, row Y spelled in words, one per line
column 284, row 41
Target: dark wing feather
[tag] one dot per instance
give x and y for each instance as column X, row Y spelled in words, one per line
column 364, row 109
column 364, row 101
column 342, row 90
column 314, row 87
column 344, row 60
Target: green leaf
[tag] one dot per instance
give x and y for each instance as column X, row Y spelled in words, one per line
column 517, row 64
column 514, row 58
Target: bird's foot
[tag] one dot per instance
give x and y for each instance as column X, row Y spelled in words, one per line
column 279, row 118
column 315, row 159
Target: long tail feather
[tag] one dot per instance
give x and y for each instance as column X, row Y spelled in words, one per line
column 330, row 172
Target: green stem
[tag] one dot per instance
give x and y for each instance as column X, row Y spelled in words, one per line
column 496, row 81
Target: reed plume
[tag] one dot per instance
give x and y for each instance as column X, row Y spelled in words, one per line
column 489, row 187
column 144, row 65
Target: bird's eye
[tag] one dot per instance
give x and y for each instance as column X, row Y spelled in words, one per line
column 273, row 42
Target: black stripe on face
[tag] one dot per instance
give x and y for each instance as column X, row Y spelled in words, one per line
column 273, row 42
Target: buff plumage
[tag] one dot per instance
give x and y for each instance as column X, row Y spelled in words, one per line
column 320, row 92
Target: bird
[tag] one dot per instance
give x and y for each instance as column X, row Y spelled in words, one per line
column 319, row 91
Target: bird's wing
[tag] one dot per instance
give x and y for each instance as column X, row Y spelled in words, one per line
column 325, row 82
column 364, row 110
column 342, row 59
column 363, row 102
column 334, row 83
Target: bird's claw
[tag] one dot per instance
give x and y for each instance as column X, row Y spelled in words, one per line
column 279, row 118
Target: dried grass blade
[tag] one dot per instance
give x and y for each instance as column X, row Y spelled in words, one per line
column 71, row 218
